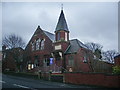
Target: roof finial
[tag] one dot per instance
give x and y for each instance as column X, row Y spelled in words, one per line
column 62, row 6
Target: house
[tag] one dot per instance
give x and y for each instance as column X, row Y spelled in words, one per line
column 12, row 59
column 55, row 52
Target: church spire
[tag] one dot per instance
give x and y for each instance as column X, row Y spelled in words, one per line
column 61, row 6
column 61, row 25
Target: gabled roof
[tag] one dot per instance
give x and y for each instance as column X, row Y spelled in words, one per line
column 74, row 46
column 50, row 35
column 61, row 25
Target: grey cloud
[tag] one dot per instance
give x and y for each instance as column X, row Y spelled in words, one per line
column 87, row 21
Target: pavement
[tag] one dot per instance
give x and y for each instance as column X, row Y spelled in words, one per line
column 34, row 84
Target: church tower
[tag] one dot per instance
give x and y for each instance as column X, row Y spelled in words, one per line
column 61, row 41
column 61, row 33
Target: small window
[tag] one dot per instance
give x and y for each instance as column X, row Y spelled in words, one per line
column 58, row 36
column 85, row 58
column 33, row 48
column 4, row 55
column 46, row 62
column 42, row 44
column 65, row 36
column 36, row 62
column 70, row 60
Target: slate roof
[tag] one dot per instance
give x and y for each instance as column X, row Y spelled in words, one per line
column 50, row 35
column 117, row 56
column 75, row 44
column 61, row 25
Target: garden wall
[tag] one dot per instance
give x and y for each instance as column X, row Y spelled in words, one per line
column 97, row 79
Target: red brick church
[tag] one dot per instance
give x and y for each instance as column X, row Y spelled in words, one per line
column 55, row 52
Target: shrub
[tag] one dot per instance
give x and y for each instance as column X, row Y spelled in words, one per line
column 116, row 69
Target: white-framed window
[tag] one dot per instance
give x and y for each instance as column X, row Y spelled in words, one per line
column 42, row 44
column 65, row 36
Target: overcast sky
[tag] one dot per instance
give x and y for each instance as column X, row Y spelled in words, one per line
column 87, row 21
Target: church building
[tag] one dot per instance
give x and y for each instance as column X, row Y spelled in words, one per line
column 55, row 52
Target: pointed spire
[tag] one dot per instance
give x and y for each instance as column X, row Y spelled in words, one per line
column 61, row 25
column 61, row 6
column 38, row 26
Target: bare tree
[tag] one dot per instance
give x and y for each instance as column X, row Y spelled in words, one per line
column 109, row 55
column 13, row 41
column 93, row 46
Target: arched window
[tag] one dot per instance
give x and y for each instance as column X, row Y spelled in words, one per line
column 33, row 48
column 42, row 44
column 58, row 36
column 37, row 44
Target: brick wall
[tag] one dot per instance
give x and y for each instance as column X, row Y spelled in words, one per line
column 97, row 79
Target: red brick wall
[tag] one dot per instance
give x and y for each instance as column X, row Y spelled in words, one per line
column 79, row 65
column 48, row 48
column 117, row 60
column 97, row 79
column 63, row 44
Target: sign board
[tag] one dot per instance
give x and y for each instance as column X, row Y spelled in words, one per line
column 57, row 47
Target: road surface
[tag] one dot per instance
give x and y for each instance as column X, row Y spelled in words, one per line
column 33, row 84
